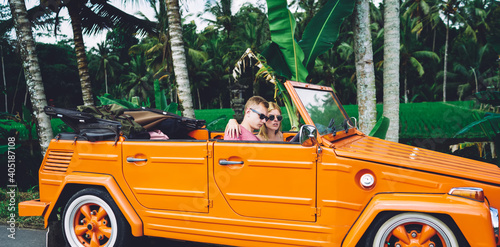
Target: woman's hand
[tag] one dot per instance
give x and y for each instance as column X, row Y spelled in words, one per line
column 232, row 129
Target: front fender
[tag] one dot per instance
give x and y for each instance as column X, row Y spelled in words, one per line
column 113, row 189
column 472, row 217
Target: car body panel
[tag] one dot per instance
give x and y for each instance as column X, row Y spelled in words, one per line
column 269, row 193
column 464, row 212
column 267, row 184
column 156, row 182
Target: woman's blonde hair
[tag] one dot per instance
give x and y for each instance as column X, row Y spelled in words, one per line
column 263, row 130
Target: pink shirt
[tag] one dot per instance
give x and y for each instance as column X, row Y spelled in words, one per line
column 244, row 136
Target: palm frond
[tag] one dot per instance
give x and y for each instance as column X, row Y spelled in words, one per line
column 417, row 66
column 114, row 17
column 426, row 54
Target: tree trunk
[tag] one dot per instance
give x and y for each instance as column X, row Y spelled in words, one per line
column 32, row 72
column 81, row 56
column 365, row 72
column 445, row 56
column 434, row 40
column 106, row 77
column 199, row 98
column 406, row 87
column 179, row 58
column 391, row 67
column 4, row 81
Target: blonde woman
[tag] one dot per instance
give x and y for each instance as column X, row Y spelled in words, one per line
column 270, row 131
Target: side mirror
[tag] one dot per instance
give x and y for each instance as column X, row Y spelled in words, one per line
column 308, row 135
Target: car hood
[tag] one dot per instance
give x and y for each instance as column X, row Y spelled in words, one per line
column 396, row 154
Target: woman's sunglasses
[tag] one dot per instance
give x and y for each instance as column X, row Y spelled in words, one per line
column 261, row 115
column 271, row 117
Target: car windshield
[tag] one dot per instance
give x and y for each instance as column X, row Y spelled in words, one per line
column 325, row 110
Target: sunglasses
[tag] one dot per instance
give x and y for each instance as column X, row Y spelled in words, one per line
column 271, row 117
column 261, row 115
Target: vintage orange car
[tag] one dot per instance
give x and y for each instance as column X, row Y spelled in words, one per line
column 334, row 187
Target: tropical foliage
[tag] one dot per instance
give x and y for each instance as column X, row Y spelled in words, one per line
column 213, row 50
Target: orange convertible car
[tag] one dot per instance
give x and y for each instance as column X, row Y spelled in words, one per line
column 334, row 187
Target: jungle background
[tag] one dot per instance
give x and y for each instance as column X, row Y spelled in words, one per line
column 126, row 65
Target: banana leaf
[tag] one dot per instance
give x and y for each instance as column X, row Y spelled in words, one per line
column 323, row 29
column 291, row 109
column 490, row 125
column 171, row 108
column 488, row 97
column 106, row 99
column 380, row 128
column 160, row 99
column 275, row 59
column 5, row 148
column 282, row 26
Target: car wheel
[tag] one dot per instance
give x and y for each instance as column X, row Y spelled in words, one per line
column 412, row 229
column 92, row 218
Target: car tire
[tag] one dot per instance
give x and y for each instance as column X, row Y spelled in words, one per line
column 92, row 218
column 415, row 229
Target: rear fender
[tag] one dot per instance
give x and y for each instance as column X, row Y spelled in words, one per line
column 472, row 217
column 106, row 181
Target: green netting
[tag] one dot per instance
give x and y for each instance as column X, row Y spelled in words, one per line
column 433, row 119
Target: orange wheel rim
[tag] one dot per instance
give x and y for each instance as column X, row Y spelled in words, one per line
column 414, row 234
column 92, row 225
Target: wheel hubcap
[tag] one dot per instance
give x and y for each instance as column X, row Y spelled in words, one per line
column 414, row 234
column 91, row 225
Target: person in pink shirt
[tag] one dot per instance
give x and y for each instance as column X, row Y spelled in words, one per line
column 255, row 116
column 270, row 131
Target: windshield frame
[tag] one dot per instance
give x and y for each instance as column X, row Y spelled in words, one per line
column 292, row 85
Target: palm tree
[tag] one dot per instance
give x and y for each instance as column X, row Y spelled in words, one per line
column 32, row 72
column 411, row 54
column 449, row 9
column 138, row 81
column 196, row 60
column 219, row 60
column 475, row 13
column 473, row 67
column 74, row 8
column 222, row 12
column 426, row 13
column 251, row 29
column 365, row 72
column 108, row 62
column 179, row 58
column 98, row 15
column 391, row 67
column 156, row 47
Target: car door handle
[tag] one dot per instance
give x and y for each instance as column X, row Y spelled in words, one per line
column 227, row 162
column 131, row 160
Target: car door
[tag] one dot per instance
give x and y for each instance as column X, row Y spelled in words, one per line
column 168, row 175
column 267, row 180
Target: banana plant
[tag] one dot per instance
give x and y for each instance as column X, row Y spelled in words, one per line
column 319, row 35
column 282, row 26
column 161, row 99
column 323, row 29
column 291, row 59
